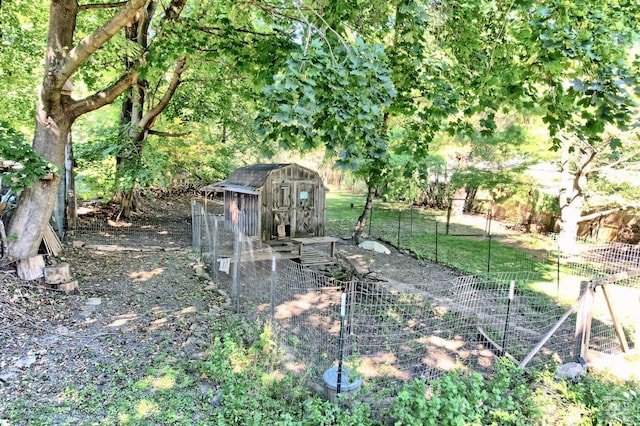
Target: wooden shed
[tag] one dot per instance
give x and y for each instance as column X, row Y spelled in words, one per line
column 275, row 201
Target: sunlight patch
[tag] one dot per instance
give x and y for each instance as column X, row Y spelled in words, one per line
column 146, row 408
column 141, row 276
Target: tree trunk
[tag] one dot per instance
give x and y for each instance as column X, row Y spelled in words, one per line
column 56, row 112
column 70, row 196
column 36, row 204
column 571, row 196
column 366, row 213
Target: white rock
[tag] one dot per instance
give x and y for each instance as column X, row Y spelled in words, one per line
column 94, row 301
column 375, row 246
column 25, row 362
column 571, row 370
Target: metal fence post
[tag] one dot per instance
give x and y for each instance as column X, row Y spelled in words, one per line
column 411, row 221
column 215, row 248
column 235, row 298
column 272, row 287
column 489, row 255
column 399, row 225
column 436, row 240
column 195, row 228
column 558, row 274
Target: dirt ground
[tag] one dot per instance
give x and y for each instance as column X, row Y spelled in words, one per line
column 135, row 304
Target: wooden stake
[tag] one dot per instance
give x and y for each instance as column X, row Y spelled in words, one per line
column 616, row 324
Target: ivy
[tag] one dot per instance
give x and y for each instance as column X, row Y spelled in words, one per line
column 24, row 165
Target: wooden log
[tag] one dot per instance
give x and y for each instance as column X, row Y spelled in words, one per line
column 31, row 268
column 57, row 274
column 68, row 287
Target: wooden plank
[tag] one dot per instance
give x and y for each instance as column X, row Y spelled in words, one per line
column 616, row 324
column 498, row 347
column 583, row 320
column 51, row 241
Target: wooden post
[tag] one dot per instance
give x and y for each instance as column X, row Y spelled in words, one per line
column 616, row 324
column 583, row 320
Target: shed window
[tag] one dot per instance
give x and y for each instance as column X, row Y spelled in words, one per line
column 305, row 195
column 284, row 198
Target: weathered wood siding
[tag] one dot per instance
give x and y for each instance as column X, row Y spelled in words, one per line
column 292, row 197
column 242, row 210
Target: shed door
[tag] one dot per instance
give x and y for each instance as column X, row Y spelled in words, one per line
column 306, row 217
column 281, row 210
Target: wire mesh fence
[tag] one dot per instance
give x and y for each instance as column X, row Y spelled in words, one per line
column 435, row 236
column 394, row 331
column 134, row 232
column 593, row 260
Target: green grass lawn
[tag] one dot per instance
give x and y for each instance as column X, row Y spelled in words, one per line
column 466, row 248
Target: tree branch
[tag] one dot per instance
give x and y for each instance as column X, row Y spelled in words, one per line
column 168, row 134
column 106, row 96
column 596, row 215
column 615, row 163
column 216, row 30
column 147, row 120
column 92, row 42
column 101, row 6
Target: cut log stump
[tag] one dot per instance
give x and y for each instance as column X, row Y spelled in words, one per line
column 57, row 274
column 70, row 287
column 31, row 268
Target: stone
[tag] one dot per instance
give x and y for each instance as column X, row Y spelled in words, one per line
column 25, row 362
column 571, row 371
column 8, row 375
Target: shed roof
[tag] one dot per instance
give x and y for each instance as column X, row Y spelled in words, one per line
column 248, row 179
column 254, row 175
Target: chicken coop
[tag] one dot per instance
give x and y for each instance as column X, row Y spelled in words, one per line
column 274, row 201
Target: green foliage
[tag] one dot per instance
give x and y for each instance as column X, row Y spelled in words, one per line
column 22, row 25
column 13, row 147
column 252, row 393
column 334, row 97
column 587, row 43
column 495, row 162
column 464, row 398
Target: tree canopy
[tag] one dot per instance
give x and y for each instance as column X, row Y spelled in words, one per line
column 373, row 83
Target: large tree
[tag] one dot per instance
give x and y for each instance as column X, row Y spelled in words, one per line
column 57, row 110
column 90, row 60
column 352, row 81
column 588, row 82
